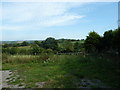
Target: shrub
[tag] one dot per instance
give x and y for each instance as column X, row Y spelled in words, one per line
column 5, row 57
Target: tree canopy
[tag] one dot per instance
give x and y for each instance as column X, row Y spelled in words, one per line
column 50, row 43
column 92, row 42
column 109, row 42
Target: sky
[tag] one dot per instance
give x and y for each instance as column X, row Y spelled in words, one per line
column 69, row 20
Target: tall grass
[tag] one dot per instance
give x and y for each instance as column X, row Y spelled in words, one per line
column 7, row 58
column 63, row 70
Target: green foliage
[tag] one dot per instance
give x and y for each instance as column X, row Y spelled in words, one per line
column 108, row 39
column 63, row 71
column 37, row 43
column 92, row 42
column 24, row 51
column 12, row 50
column 50, row 43
column 111, row 40
column 41, row 64
column 67, row 46
column 36, row 49
column 5, row 45
column 116, row 40
column 109, row 43
column 5, row 57
column 24, row 43
column 49, row 51
column 78, row 46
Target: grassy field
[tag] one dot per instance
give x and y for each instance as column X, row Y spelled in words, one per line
column 61, row 71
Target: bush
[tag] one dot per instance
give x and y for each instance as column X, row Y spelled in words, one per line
column 5, row 57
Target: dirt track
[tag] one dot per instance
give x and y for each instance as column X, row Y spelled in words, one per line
column 7, row 76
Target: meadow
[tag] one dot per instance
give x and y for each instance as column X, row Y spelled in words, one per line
column 62, row 71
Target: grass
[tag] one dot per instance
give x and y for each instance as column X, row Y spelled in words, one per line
column 24, row 47
column 63, row 71
column 6, row 58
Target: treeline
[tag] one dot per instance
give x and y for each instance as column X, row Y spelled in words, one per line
column 24, row 43
column 50, row 45
column 109, row 42
column 94, row 43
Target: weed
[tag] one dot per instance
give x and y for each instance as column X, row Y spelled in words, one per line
column 62, row 71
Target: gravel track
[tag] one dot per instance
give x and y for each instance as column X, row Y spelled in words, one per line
column 7, row 76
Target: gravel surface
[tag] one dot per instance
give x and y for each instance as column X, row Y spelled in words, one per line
column 40, row 84
column 7, row 76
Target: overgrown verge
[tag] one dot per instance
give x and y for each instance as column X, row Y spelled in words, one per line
column 64, row 71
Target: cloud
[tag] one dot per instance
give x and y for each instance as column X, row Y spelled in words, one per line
column 42, row 14
column 63, row 20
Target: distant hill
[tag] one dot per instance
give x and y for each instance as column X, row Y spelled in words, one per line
column 31, row 41
column 13, row 42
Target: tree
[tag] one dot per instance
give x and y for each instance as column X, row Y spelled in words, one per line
column 49, row 51
column 24, row 43
column 76, row 46
column 92, row 42
column 38, row 43
column 5, row 45
column 13, row 50
column 111, row 41
column 116, row 40
column 24, row 51
column 6, row 50
column 36, row 49
column 67, row 46
column 50, row 43
column 108, row 40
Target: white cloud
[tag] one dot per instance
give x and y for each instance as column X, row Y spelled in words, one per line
column 38, row 14
column 63, row 20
